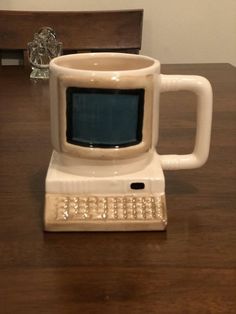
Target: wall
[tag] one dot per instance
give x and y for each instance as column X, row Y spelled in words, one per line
column 175, row 31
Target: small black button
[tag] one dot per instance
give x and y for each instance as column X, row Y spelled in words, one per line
column 137, row 186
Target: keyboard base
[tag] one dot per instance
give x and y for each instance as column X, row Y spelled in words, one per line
column 70, row 212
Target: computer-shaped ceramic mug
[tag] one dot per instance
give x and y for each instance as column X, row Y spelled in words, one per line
column 105, row 173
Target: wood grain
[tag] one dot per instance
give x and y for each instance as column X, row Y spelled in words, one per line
column 190, row 268
column 78, row 31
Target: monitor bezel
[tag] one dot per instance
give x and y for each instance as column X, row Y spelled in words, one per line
column 127, row 83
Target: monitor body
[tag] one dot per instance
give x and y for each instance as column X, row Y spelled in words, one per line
column 132, row 104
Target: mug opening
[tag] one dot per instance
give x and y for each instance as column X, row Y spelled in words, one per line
column 104, row 62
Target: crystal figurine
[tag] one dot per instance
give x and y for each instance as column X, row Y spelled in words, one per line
column 42, row 50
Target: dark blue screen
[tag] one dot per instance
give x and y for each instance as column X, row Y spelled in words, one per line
column 104, row 118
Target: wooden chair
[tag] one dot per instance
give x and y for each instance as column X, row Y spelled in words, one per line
column 78, row 31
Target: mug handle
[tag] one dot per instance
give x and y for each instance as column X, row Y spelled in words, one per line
column 202, row 88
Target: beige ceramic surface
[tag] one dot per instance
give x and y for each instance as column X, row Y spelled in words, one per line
column 76, row 170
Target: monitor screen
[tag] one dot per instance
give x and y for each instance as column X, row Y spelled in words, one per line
column 105, row 118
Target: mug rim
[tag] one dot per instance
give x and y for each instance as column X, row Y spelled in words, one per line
column 144, row 63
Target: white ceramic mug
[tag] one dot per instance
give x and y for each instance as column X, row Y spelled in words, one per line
column 120, row 74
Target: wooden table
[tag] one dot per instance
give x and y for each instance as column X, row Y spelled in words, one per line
column 188, row 269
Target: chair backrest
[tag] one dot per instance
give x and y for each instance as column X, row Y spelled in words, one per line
column 78, row 31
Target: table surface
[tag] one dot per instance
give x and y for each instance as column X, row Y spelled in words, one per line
column 190, row 268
